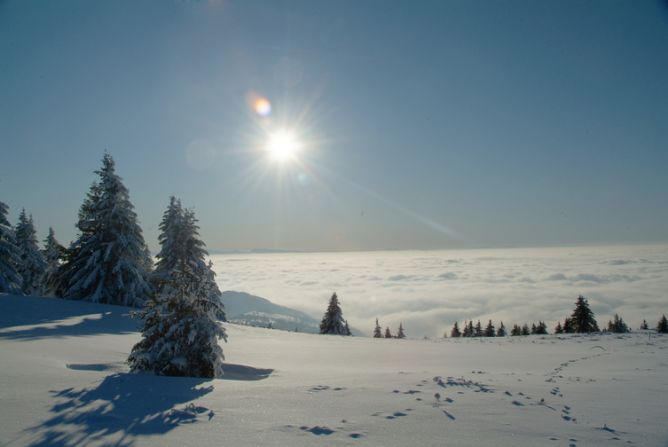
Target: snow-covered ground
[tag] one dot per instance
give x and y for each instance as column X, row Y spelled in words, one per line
column 63, row 382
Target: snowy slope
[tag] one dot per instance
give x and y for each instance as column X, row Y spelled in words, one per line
column 63, row 382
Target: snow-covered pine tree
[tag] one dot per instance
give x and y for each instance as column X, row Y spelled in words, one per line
column 568, row 326
column 582, row 318
column 502, row 330
column 388, row 334
column 662, row 326
column 400, row 331
column 477, row 331
column 377, row 331
column 490, row 331
column 332, row 322
column 107, row 263
column 181, row 326
column 10, row 279
column 32, row 265
column 558, row 329
column 455, row 332
column 617, row 325
column 53, row 254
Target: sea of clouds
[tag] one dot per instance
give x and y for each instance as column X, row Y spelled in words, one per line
column 429, row 290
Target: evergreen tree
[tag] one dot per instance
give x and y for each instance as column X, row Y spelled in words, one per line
column 490, row 331
column 502, row 330
column 644, row 325
column 455, row 332
column 515, row 331
column 558, row 329
column 388, row 334
column 617, row 326
column 468, row 329
column 400, row 332
column 333, row 322
column 662, row 327
column 53, row 254
column 533, row 328
column 569, row 328
column 181, row 320
column 10, row 279
column 525, row 330
column 477, row 332
column 377, row 331
column 541, row 328
column 583, row 318
column 32, row 265
column 107, row 263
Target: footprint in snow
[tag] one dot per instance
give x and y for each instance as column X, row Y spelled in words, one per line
column 318, row 430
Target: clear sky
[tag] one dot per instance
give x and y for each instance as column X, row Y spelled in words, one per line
column 421, row 124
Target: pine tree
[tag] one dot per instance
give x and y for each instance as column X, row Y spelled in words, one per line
column 107, row 263
column 455, row 332
column 617, row 326
column 540, row 329
column 568, row 326
column 662, row 327
column 583, row 318
column 558, row 329
column 10, row 279
column 53, row 254
column 377, row 331
column 32, row 265
column 468, row 329
column 400, row 332
column 533, row 328
column 644, row 326
column 333, row 322
column 515, row 331
column 525, row 330
column 477, row 332
column 502, row 330
column 181, row 320
column 388, row 334
column 490, row 331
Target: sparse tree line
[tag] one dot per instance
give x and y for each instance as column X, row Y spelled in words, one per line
column 109, row 263
column 378, row 331
column 581, row 321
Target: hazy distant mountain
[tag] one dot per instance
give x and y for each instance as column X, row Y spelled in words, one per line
column 244, row 308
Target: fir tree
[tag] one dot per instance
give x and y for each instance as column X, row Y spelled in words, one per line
column 662, row 326
column 32, row 264
column 10, row 279
column 490, row 331
column 583, row 318
column 388, row 334
column 400, row 332
column 455, row 332
column 477, row 331
column 107, row 263
column 617, row 326
column 515, row 331
column 568, row 328
column 644, row 326
column 502, row 330
column 468, row 329
column 558, row 329
column 333, row 322
column 377, row 331
column 525, row 330
column 181, row 320
column 53, row 254
column 541, row 328
column 533, row 328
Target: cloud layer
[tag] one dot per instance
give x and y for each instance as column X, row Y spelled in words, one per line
column 429, row 290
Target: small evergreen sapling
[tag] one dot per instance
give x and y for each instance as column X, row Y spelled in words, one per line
column 558, row 329
column 644, row 326
column 617, row 325
column 388, row 334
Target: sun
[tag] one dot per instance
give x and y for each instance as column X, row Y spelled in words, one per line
column 282, row 146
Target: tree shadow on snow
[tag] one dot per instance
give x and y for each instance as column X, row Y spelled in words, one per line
column 31, row 318
column 121, row 409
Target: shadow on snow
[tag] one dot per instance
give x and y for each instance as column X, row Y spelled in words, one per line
column 122, row 408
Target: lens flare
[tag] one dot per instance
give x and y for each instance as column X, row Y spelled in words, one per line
column 262, row 106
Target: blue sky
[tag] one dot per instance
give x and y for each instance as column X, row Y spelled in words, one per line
column 429, row 124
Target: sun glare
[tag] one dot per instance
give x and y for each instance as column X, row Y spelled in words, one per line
column 282, row 146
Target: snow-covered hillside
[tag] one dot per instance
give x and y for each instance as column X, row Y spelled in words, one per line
column 64, row 382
